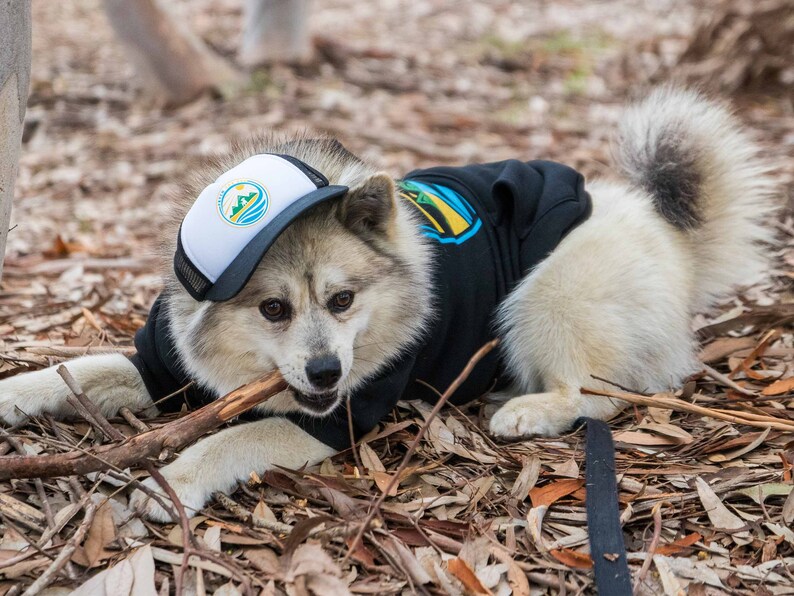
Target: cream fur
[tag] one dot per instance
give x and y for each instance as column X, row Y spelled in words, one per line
column 219, row 462
column 109, row 380
column 615, row 299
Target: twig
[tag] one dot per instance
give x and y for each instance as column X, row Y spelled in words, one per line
column 132, row 450
column 353, row 446
column 66, row 553
column 243, row 514
column 90, row 407
column 658, row 401
column 657, row 532
column 133, row 420
column 724, row 380
column 375, row 508
column 45, row 503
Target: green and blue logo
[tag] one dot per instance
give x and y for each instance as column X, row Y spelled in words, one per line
column 449, row 217
column 242, row 203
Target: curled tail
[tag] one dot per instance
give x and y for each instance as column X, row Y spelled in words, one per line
column 707, row 179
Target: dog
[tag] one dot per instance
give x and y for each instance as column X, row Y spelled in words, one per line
column 354, row 288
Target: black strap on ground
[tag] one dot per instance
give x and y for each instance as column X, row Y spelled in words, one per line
column 603, row 516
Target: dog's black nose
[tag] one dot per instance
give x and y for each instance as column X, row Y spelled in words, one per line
column 324, row 371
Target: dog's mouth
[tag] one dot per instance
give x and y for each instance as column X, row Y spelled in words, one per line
column 317, row 403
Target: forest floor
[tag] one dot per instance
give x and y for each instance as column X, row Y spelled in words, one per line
column 404, row 84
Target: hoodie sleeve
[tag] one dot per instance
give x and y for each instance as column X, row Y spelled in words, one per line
column 157, row 363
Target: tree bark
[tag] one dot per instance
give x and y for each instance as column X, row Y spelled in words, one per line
column 275, row 31
column 14, row 83
column 172, row 61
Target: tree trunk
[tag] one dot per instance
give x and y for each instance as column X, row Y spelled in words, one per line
column 742, row 44
column 171, row 60
column 14, row 82
column 275, row 31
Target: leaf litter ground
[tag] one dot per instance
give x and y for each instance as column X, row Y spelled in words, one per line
column 405, row 85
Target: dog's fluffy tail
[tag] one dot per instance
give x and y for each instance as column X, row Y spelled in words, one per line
column 707, row 179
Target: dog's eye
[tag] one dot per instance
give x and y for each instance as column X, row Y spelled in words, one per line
column 341, row 301
column 273, row 310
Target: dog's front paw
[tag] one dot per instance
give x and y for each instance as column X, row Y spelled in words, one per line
column 19, row 398
column 190, row 492
column 540, row 415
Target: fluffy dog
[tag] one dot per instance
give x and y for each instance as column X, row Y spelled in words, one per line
column 351, row 287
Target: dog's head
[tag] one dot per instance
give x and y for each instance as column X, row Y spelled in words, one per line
column 341, row 292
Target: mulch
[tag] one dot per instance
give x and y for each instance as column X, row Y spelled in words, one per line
column 709, row 502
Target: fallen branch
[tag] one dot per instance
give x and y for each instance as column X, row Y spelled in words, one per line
column 671, row 403
column 172, row 436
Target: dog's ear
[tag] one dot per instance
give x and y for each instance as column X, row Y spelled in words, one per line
column 370, row 208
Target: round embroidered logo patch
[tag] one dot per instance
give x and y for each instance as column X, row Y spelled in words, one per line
column 242, row 203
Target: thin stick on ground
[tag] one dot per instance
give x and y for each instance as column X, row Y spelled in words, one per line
column 728, row 382
column 66, row 553
column 657, row 533
column 660, row 401
column 353, row 444
column 96, row 415
column 375, row 508
column 244, row 515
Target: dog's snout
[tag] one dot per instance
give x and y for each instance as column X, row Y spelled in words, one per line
column 324, row 371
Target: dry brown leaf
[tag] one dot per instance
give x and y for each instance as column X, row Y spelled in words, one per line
column 101, row 533
column 572, row 558
column 676, row 433
column 383, row 480
column 724, row 346
column 757, row 440
column 310, row 559
column 633, row 437
column 212, row 538
column 567, row 469
column 779, row 387
column 515, row 576
column 719, row 515
column 679, row 545
column 409, row 561
column 362, row 554
column 175, row 535
column 461, row 570
column 262, row 511
column 133, row 576
column 788, row 509
column 554, row 491
column 370, row 459
column 227, row 589
column 263, row 559
column 530, row 469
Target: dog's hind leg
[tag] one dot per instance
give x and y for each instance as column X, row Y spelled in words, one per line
column 549, row 414
column 610, row 302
